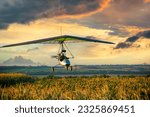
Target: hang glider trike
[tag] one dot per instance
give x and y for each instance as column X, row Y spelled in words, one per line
column 63, row 59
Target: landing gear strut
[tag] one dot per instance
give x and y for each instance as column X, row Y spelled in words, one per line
column 67, row 68
column 71, row 68
column 53, row 69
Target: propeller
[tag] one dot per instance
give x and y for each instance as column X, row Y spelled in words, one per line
column 54, row 56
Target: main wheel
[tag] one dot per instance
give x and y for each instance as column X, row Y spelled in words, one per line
column 53, row 69
column 67, row 68
column 71, row 68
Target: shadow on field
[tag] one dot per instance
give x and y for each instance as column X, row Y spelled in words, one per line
column 9, row 81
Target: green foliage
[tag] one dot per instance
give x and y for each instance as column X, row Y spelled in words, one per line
column 23, row 87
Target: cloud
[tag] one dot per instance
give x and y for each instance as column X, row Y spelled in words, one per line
column 25, row 11
column 18, row 61
column 123, row 45
column 127, row 12
column 120, row 15
column 128, row 43
column 99, row 14
column 33, row 49
column 146, row 1
column 85, row 8
column 132, row 39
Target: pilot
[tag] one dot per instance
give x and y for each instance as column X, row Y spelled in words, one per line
column 61, row 56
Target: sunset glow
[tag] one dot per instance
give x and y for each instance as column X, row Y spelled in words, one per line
column 126, row 23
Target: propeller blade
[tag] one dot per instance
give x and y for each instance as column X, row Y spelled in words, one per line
column 54, row 56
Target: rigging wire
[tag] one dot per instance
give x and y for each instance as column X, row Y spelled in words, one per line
column 72, row 56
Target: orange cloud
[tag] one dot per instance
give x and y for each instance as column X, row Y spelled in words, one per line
column 102, row 5
column 48, row 9
column 146, row 0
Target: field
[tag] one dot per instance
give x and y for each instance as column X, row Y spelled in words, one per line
column 19, row 86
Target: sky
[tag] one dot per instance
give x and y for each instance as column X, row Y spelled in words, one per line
column 124, row 22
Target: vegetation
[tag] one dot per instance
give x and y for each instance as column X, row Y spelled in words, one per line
column 80, row 70
column 23, row 87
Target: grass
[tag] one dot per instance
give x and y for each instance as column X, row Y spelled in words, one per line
column 23, row 87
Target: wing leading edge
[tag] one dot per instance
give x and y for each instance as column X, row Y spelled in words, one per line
column 59, row 39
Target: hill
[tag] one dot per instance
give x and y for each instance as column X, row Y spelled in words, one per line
column 18, row 61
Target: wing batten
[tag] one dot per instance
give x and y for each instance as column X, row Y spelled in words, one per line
column 58, row 39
